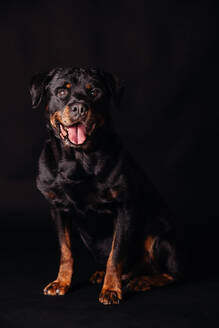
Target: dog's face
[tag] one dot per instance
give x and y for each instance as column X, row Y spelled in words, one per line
column 78, row 102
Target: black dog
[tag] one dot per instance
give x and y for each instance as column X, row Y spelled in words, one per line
column 94, row 187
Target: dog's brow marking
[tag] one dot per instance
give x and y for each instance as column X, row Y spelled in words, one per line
column 68, row 85
column 88, row 86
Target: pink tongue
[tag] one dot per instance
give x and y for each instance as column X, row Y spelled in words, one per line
column 76, row 134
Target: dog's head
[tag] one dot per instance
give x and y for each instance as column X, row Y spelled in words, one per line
column 77, row 102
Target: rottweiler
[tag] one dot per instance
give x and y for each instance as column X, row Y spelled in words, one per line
column 95, row 188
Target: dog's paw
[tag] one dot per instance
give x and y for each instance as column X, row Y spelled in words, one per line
column 97, row 277
column 108, row 297
column 56, row 288
column 139, row 284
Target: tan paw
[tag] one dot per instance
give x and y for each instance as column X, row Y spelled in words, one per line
column 139, row 284
column 108, row 297
column 56, row 288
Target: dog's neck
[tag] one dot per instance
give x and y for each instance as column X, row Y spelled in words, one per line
column 94, row 162
column 100, row 155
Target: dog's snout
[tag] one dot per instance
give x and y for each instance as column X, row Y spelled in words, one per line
column 79, row 109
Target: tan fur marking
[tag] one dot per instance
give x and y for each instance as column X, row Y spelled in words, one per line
column 114, row 193
column 51, row 195
column 144, row 283
column 112, row 287
column 55, row 117
column 66, row 260
column 88, row 86
column 148, row 246
column 65, row 118
column 168, row 276
column 61, row 285
column 68, row 85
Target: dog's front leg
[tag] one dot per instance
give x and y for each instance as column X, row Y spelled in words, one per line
column 62, row 283
column 111, row 292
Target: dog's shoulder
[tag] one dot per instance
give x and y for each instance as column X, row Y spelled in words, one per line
column 50, row 156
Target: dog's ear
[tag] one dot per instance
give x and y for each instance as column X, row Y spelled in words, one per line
column 39, row 85
column 115, row 87
column 37, row 88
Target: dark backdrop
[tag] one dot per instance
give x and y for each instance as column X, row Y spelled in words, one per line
column 166, row 52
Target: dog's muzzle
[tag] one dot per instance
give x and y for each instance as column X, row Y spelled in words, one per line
column 75, row 133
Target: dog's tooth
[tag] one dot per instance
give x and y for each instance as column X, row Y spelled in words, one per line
column 63, row 131
column 62, row 136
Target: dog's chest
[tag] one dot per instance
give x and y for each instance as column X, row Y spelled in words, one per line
column 91, row 194
column 87, row 191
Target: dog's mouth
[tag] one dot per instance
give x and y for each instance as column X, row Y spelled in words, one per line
column 75, row 133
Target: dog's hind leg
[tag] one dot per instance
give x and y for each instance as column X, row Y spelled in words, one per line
column 144, row 283
column 159, row 265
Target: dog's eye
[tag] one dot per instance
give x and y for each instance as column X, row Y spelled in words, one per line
column 62, row 93
column 93, row 93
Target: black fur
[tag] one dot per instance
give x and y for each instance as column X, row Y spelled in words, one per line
column 96, row 186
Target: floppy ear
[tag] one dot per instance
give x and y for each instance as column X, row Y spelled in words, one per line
column 37, row 88
column 39, row 84
column 115, row 87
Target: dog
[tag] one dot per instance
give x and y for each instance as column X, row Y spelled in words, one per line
column 95, row 188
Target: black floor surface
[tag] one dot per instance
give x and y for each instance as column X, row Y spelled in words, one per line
column 29, row 260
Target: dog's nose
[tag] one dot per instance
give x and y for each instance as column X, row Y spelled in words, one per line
column 78, row 109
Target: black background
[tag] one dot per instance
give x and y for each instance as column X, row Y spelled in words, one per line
column 166, row 54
